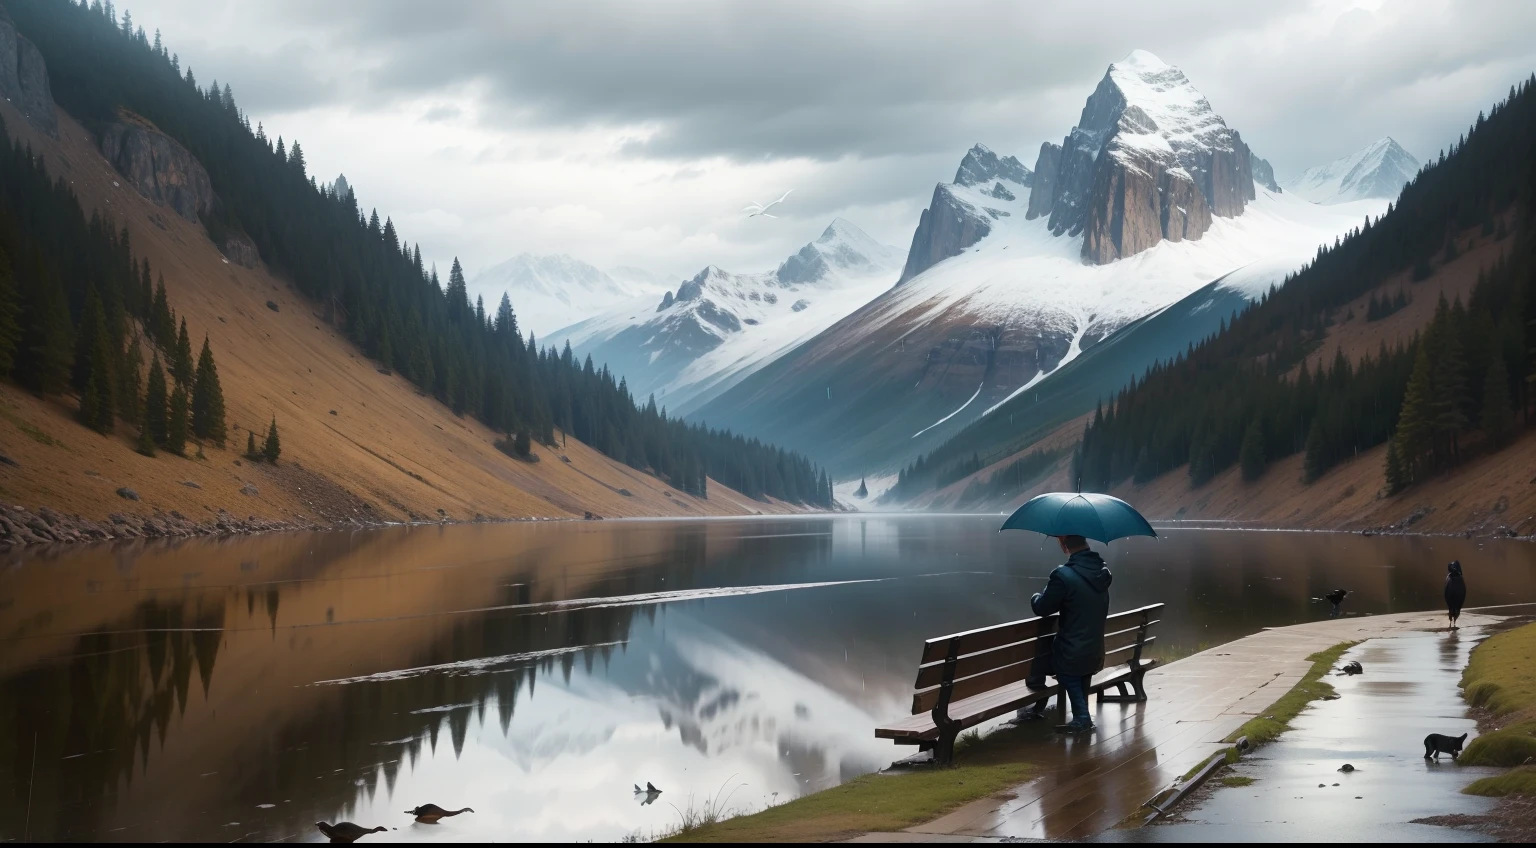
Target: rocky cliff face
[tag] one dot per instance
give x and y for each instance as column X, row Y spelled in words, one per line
column 1047, row 167
column 948, row 226
column 158, row 167
column 24, row 78
column 1264, row 174
column 981, row 166
column 1148, row 161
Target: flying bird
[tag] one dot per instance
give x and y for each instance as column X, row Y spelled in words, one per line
column 756, row 209
column 1336, row 597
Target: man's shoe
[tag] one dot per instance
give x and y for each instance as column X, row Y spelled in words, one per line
column 1075, row 727
column 1036, row 685
column 1030, row 713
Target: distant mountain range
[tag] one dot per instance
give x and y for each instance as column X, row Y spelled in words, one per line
column 1378, row 170
column 552, row 291
column 686, row 347
column 867, row 357
column 1015, row 272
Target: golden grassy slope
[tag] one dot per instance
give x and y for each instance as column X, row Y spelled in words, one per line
column 386, row 445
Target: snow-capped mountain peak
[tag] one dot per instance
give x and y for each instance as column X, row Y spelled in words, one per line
column 842, row 250
column 1149, row 161
column 1380, row 169
column 1162, row 110
column 718, row 326
column 981, row 166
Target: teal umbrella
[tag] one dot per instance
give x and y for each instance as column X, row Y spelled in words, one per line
column 1088, row 515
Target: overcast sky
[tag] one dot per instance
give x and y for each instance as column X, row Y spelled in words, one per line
column 632, row 133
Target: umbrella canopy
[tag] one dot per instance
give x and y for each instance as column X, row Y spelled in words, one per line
column 1091, row 516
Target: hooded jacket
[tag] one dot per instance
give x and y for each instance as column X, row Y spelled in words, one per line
column 1079, row 590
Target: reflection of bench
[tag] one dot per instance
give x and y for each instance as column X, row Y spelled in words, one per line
column 971, row 677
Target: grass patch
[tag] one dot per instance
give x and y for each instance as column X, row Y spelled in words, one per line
column 880, row 802
column 1277, row 719
column 1520, row 781
column 1235, row 780
column 26, row 427
column 1498, row 677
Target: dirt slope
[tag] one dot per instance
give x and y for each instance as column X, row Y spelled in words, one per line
column 356, row 443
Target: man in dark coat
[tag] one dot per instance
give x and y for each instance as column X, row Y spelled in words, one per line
column 1078, row 590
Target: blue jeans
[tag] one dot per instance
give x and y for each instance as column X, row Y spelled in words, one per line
column 1076, row 687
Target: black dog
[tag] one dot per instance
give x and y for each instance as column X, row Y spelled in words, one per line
column 1436, row 744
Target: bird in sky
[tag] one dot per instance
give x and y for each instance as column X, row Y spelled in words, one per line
column 756, row 209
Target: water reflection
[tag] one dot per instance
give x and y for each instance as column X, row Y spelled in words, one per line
column 247, row 688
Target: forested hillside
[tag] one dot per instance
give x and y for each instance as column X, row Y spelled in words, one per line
column 1247, row 396
column 72, row 302
column 369, row 282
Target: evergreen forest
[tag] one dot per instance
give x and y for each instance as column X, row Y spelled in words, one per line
column 368, row 280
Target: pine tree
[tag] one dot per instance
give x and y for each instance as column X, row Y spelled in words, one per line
column 208, row 399
column 130, row 387
column 181, row 362
column 45, row 352
column 10, row 310
column 176, row 424
column 162, row 324
column 524, row 443
column 146, row 444
column 91, row 334
column 1316, row 461
column 1251, row 454
column 1498, row 417
column 1396, row 478
column 250, row 446
column 273, row 448
column 1415, row 435
column 156, row 417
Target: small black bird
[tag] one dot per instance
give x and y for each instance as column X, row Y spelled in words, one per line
column 1337, row 597
column 1455, row 590
column 430, row 813
column 1352, row 668
column 347, row 831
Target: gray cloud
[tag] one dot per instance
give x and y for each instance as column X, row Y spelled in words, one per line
column 881, row 97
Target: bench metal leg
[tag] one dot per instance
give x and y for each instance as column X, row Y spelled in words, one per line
column 1138, row 693
column 944, row 748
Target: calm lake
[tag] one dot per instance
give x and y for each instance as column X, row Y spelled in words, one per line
column 245, row 688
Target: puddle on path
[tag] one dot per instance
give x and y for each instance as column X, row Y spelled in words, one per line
column 1407, row 691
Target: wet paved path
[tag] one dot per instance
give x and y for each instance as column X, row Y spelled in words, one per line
column 1091, row 784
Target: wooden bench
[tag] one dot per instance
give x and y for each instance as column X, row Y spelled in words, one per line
column 967, row 678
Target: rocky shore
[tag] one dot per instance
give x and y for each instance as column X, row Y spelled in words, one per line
column 20, row 527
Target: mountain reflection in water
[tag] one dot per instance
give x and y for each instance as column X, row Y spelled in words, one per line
column 248, row 687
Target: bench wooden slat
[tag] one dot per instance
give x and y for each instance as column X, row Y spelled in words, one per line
column 924, row 701
column 982, row 639
column 1119, row 639
column 933, row 674
column 986, row 706
column 987, row 638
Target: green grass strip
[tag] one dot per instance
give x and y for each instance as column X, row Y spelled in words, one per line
column 876, row 802
column 1501, row 677
column 1277, row 718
